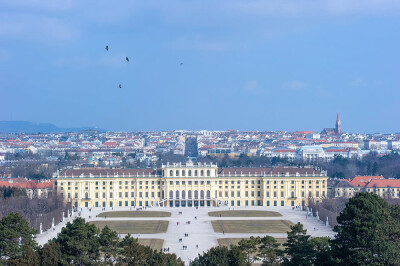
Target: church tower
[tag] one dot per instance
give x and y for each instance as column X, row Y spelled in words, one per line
column 337, row 128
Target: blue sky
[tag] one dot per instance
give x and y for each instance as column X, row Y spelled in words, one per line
column 247, row 65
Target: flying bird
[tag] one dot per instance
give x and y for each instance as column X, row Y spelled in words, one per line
column 120, row 86
column 106, row 47
column 127, row 59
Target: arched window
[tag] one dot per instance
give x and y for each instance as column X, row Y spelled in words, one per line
column 86, row 195
column 208, row 172
column 202, row 194
column 171, row 194
column 208, row 194
column 196, row 194
column 190, row 173
column 183, row 194
column 177, row 194
column 183, row 173
column 292, row 194
column 177, row 172
column 202, row 173
column 195, row 173
column 189, row 194
column 171, row 173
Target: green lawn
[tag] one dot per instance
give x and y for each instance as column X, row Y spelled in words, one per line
column 134, row 227
column 234, row 241
column 244, row 213
column 153, row 243
column 138, row 214
column 251, row 226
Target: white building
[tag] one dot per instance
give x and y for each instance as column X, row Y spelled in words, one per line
column 311, row 153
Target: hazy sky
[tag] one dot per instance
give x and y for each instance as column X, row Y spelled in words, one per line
column 247, row 65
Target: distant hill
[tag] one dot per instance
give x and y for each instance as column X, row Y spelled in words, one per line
column 29, row 127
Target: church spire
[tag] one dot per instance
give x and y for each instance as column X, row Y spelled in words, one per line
column 338, row 125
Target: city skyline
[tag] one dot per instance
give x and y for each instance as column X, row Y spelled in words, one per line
column 260, row 66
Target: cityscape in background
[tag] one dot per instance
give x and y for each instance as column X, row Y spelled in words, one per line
column 145, row 149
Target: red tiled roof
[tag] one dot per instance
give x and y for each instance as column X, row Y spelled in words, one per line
column 362, row 181
column 24, row 183
column 384, row 183
column 284, row 150
column 303, row 132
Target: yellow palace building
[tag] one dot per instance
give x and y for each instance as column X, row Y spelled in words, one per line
column 190, row 185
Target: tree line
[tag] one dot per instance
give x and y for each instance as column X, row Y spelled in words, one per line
column 367, row 233
column 9, row 192
column 79, row 243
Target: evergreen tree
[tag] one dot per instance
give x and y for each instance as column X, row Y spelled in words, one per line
column 298, row 249
column 15, row 236
column 79, row 243
column 28, row 258
column 127, row 240
column 269, row 251
column 50, row 254
column 363, row 232
column 322, row 250
column 249, row 247
column 108, row 240
column 236, row 257
column 221, row 256
column 213, row 257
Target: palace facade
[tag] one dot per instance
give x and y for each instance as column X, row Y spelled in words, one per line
column 190, row 185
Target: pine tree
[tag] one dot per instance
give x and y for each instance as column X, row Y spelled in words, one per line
column 363, row 232
column 79, row 243
column 269, row 251
column 249, row 247
column 15, row 235
column 51, row 254
column 298, row 249
column 108, row 244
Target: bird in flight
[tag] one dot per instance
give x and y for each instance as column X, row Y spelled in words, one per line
column 106, row 47
column 127, row 59
column 120, row 86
